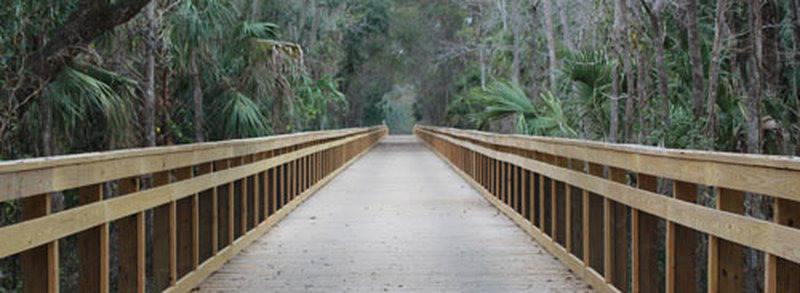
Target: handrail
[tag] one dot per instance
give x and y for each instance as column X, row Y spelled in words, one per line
column 596, row 206
column 27, row 177
column 207, row 201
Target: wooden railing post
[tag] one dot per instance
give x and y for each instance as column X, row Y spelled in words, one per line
column 39, row 265
column 783, row 275
column 681, row 246
column 598, row 228
column 93, row 247
column 619, row 234
column 131, row 256
column 205, row 218
column 164, row 234
column 185, row 244
column 645, row 243
column 223, row 203
column 726, row 259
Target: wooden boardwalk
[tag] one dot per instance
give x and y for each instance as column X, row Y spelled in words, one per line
column 398, row 220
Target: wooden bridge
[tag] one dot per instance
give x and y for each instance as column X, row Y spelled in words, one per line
column 598, row 217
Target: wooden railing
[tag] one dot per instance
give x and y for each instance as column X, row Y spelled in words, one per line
column 597, row 208
column 202, row 204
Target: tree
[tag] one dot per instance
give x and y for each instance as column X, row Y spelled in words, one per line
column 693, row 40
column 33, row 73
column 150, row 39
column 654, row 13
column 551, row 42
column 713, row 69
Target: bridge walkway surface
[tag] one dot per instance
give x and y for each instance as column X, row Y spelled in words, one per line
column 398, row 220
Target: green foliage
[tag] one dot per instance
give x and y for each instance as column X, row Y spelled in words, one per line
column 240, row 117
column 549, row 121
column 588, row 76
column 319, row 102
column 398, row 109
column 78, row 94
column 502, row 99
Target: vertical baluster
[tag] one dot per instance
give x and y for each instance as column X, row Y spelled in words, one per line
column 186, row 245
column 222, row 218
column 682, row 241
column 619, row 234
column 598, row 226
column 39, row 265
column 203, row 216
column 163, row 238
column 783, row 275
column 93, row 247
column 645, row 243
column 725, row 258
column 131, row 255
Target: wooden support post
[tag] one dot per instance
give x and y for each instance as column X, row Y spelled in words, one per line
column 619, row 234
column 231, row 208
column 681, row 247
column 575, row 209
column 93, row 247
column 586, row 230
column 783, row 275
column 598, row 228
column 186, row 246
column 507, row 185
column 524, row 194
column 542, row 223
column 164, row 238
column 561, row 204
column 204, row 217
column 131, row 255
column 281, row 186
column 725, row 258
column 254, row 194
column 273, row 189
column 645, row 243
column 39, row 265
column 222, row 218
column 513, row 182
column 497, row 178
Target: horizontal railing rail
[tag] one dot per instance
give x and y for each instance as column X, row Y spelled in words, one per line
column 630, row 218
column 177, row 213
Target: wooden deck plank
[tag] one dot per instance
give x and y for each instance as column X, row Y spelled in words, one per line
column 399, row 220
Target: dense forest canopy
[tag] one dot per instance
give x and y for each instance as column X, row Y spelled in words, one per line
column 83, row 76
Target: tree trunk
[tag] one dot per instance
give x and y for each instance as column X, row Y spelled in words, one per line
column 46, row 125
column 716, row 60
column 197, row 100
column 619, row 43
column 796, row 58
column 654, row 14
column 551, row 42
column 515, row 27
column 630, row 95
column 771, row 64
column 150, row 77
column 615, row 93
column 642, row 75
column 753, row 103
column 482, row 58
column 255, row 9
column 564, row 15
column 752, row 58
column 693, row 38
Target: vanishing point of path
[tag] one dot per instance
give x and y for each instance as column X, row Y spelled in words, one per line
column 398, row 220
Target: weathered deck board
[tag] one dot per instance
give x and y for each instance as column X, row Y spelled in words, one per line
column 397, row 220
